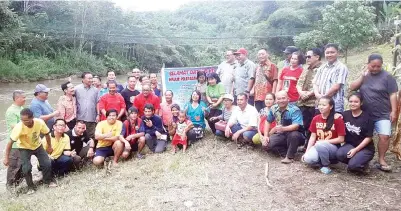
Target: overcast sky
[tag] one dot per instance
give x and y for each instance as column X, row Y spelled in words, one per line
column 150, row 5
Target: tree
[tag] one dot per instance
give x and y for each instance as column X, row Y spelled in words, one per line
column 311, row 39
column 349, row 23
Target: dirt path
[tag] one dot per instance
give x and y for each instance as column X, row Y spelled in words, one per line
column 214, row 176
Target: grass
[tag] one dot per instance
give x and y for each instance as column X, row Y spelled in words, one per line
column 215, row 175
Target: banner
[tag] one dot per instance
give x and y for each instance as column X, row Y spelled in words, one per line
column 182, row 81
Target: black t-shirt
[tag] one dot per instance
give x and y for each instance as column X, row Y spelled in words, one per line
column 128, row 97
column 358, row 128
column 77, row 142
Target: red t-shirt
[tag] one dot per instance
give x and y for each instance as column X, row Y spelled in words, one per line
column 140, row 102
column 109, row 101
column 318, row 124
column 289, row 80
column 129, row 130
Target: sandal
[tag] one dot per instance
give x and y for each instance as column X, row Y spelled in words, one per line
column 385, row 168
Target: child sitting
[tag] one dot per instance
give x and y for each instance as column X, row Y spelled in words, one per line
column 180, row 137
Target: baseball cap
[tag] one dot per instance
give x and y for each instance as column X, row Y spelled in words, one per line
column 242, row 51
column 228, row 96
column 290, row 49
column 41, row 88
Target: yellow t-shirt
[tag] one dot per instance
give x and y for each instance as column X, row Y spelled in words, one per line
column 29, row 138
column 59, row 146
column 104, row 127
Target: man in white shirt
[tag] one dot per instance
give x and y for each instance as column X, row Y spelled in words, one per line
column 243, row 122
column 226, row 71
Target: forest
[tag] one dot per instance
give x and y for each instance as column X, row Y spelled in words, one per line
column 51, row 39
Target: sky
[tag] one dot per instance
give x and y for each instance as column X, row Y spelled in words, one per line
column 150, row 5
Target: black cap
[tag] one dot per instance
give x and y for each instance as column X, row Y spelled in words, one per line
column 290, row 49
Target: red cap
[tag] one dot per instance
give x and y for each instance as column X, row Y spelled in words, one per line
column 242, row 51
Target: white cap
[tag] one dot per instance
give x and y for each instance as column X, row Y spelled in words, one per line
column 228, row 96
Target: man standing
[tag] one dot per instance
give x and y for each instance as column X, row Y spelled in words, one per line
column 226, row 71
column 27, row 135
column 81, row 143
column 112, row 100
column 137, row 73
column 86, row 96
column 14, row 174
column 244, row 75
column 266, row 76
column 288, row 133
column 152, row 127
column 307, row 97
column 41, row 107
column 155, row 86
column 243, row 122
column 165, row 108
column 289, row 50
column 130, row 93
column 111, row 76
column 331, row 77
column 146, row 97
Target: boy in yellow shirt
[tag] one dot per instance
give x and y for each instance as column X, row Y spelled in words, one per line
column 27, row 135
column 61, row 157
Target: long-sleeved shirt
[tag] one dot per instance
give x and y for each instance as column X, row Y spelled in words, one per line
column 157, row 125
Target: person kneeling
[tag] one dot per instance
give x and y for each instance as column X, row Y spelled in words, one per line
column 243, row 122
column 131, row 135
column 288, row 133
column 359, row 148
column 108, row 135
column 61, row 156
column 182, row 128
column 327, row 133
column 152, row 127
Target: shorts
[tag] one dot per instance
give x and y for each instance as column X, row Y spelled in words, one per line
column 178, row 140
column 383, row 127
column 104, row 152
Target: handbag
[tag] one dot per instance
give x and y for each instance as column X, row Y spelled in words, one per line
column 220, row 125
column 198, row 130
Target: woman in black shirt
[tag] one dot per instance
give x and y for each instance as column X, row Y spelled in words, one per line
column 359, row 148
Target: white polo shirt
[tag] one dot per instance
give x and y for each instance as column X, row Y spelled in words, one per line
column 246, row 117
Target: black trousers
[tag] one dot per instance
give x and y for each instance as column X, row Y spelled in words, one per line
column 307, row 114
column 213, row 113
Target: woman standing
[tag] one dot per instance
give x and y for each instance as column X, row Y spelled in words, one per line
column 67, row 105
column 214, row 95
column 201, row 86
column 359, row 148
column 290, row 75
column 379, row 91
column 196, row 111
column 327, row 133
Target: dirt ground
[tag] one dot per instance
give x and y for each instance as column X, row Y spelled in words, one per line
column 214, row 175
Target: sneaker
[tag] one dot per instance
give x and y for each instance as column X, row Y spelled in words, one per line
column 52, row 185
column 287, row 160
column 325, row 170
column 140, row 156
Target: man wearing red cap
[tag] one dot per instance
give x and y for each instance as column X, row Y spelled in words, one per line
column 244, row 76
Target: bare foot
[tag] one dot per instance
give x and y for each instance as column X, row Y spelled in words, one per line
column 115, row 164
column 173, row 151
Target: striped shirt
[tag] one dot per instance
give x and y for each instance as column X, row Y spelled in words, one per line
column 327, row 76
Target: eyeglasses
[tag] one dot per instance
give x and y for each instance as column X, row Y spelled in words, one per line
column 60, row 125
column 308, row 57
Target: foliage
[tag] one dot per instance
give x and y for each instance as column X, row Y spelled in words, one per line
column 349, row 23
column 311, row 39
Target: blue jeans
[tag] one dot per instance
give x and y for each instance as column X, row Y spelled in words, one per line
column 322, row 153
column 61, row 165
column 358, row 161
column 247, row 135
column 220, row 133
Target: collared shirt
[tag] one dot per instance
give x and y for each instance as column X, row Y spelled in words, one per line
column 77, row 142
column 291, row 115
column 67, row 108
column 305, row 84
column 86, row 103
column 104, row 127
column 265, row 75
column 59, row 145
column 246, row 117
column 29, row 138
column 329, row 75
column 109, row 101
column 42, row 108
column 243, row 73
column 12, row 118
column 226, row 73
column 140, row 102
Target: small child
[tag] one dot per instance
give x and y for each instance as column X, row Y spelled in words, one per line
column 180, row 137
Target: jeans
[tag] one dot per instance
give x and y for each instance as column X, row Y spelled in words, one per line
column 213, row 113
column 44, row 162
column 220, row 133
column 327, row 152
column 286, row 144
column 61, row 165
column 247, row 135
column 358, row 161
column 259, row 105
column 154, row 144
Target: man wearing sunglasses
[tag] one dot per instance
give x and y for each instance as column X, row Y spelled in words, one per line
column 226, row 71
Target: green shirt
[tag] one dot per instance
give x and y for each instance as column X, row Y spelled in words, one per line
column 215, row 92
column 12, row 118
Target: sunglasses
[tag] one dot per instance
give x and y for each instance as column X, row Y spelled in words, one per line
column 308, row 57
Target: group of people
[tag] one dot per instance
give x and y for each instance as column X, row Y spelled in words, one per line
column 251, row 104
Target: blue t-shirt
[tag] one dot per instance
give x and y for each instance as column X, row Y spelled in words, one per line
column 41, row 108
column 197, row 115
